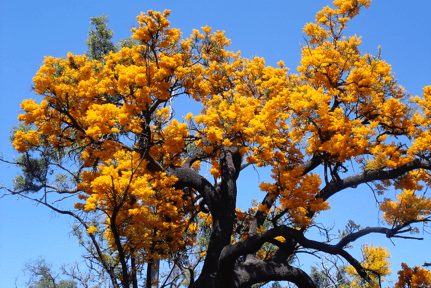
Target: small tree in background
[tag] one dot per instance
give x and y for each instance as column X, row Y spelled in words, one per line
column 99, row 39
column 42, row 276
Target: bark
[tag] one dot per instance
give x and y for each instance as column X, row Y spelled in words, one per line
column 252, row 244
column 223, row 211
column 134, row 271
column 152, row 279
column 369, row 176
column 258, row 271
column 221, row 201
column 125, row 281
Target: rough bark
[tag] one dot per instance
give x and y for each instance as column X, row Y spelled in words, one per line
column 258, row 271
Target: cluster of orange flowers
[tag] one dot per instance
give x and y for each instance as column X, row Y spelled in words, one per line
column 375, row 262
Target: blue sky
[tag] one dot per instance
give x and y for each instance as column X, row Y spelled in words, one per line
column 30, row 30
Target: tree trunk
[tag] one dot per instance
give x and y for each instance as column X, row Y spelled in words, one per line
column 153, row 274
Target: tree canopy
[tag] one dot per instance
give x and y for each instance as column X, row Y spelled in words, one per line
column 105, row 134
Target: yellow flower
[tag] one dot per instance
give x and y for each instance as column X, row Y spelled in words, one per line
column 92, row 229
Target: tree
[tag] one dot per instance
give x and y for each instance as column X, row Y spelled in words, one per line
column 99, row 38
column 105, row 135
column 42, row 276
column 330, row 274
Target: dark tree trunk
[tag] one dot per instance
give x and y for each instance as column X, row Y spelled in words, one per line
column 152, row 279
column 223, row 213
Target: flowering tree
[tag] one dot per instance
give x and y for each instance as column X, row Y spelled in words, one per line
column 105, row 135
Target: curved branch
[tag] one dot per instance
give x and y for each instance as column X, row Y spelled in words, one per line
column 188, row 177
column 389, row 232
column 369, row 176
column 257, row 271
column 251, row 245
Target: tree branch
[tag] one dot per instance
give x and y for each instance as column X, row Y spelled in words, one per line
column 188, row 177
column 252, row 244
column 94, row 241
column 389, row 232
column 257, row 271
column 369, row 176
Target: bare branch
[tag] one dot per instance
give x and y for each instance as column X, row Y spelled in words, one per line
column 369, row 176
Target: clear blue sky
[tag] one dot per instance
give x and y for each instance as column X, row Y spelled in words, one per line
column 29, row 30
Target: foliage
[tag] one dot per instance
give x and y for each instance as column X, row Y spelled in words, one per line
column 325, row 278
column 99, row 39
column 106, row 124
column 416, row 277
column 42, row 276
column 375, row 263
